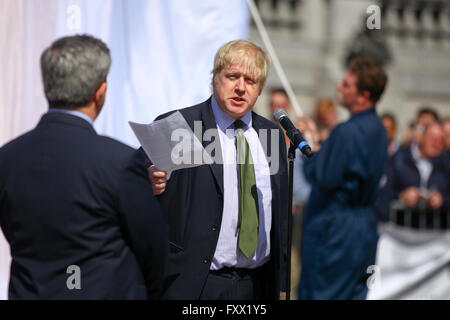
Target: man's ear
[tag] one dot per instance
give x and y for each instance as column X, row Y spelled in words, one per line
column 366, row 95
column 100, row 94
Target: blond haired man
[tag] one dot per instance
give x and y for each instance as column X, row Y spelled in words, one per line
column 227, row 220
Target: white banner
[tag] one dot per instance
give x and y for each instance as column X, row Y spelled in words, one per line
column 411, row 264
column 162, row 53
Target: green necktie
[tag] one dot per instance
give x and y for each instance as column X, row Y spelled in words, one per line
column 248, row 195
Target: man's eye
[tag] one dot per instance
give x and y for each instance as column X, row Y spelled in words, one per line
column 250, row 81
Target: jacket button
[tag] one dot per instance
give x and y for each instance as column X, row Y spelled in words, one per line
column 214, row 227
column 206, row 260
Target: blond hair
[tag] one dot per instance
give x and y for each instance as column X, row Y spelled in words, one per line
column 246, row 53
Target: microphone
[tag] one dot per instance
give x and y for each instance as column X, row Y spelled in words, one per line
column 292, row 132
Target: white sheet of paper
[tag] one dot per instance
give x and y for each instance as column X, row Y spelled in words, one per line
column 170, row 143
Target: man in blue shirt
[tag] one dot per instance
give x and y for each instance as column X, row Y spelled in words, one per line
column 340, row 229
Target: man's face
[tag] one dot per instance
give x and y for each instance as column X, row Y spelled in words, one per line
column 235, row 90
column 278, row 100
column 390, row 127
column 432, row 142
column 347, row 91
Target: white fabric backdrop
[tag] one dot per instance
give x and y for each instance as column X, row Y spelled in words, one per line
column 412, row 264
column 162, row 53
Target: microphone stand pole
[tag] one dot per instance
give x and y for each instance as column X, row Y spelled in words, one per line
column 291, row 158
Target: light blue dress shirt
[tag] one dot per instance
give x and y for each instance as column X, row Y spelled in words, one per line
column 227, row 253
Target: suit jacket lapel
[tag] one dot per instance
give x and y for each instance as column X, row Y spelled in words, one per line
column 209, row 122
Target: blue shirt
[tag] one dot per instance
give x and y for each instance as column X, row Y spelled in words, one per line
column 347, row 170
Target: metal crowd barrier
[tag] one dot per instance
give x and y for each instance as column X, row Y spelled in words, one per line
column 419, row 217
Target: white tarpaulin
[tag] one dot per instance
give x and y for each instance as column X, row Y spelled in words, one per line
column 412, row 264
column 162, row 52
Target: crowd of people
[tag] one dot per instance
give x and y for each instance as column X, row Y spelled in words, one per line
column 416, row 179
column 424, row 152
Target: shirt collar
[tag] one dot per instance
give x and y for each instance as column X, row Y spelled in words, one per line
column 74, row 113
column 416, row 154
column 363, row 112
column 224, row 121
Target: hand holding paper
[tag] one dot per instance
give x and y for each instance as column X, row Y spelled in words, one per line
column 170, row 143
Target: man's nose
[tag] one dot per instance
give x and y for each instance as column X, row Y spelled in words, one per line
column 240, row 85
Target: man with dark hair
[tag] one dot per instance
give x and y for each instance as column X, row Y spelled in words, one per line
column 426, row 115
column 340, row 228
column 77, row 210
column 278, row 100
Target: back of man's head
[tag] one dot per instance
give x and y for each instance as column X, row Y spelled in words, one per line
column 72, row 69
column 371, row 77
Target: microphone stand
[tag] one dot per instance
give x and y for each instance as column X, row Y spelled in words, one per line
column 291, row 158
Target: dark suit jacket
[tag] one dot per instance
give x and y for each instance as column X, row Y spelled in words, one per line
column 71, row 197
column 193, row 203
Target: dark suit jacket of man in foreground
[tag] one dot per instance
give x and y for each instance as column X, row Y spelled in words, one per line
column 193, row 203
column 79, row 215
column 71, row 197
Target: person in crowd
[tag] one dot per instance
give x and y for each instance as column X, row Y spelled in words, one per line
column 446, row 129
column 227, row 220
column 278, row 100
column 383, row 203
column 302, row 187
column 77, row 210
column 408, row 136
column 340, row 228
column 425, row 115
column 419, row 172
column 390, row 123
column 326, row 117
